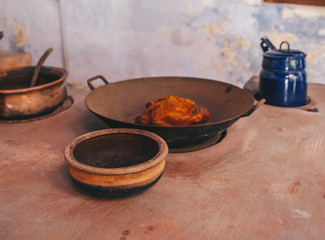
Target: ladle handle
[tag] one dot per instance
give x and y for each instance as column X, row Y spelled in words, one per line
column 89, row 81
column 252, row 109
column 266, row 44
column 39, row 66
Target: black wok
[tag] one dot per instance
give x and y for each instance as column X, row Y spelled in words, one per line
column 117, row 104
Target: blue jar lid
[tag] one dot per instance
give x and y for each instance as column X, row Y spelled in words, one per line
column 284, row 53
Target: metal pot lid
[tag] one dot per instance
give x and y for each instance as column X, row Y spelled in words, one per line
column 271, row 52
column 284, row 53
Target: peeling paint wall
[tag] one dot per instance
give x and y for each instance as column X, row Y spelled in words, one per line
column 31, row 26
column 138, row 38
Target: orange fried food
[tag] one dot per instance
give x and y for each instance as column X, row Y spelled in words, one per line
column 173, row 111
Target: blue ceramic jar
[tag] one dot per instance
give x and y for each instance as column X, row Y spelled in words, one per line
column 283, row 80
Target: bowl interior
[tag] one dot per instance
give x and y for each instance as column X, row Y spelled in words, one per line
column 116, row 150
column 21, row 78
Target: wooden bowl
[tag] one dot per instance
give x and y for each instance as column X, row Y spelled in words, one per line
column 116, row 161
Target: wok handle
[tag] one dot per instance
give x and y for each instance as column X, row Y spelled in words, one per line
column 89, row 81
column 252, row 109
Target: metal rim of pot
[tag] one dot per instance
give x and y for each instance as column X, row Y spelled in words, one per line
column 34, row 88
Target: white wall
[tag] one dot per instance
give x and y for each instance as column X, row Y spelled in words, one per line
column 138, row 38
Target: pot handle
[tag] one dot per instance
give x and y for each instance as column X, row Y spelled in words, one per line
column 288, row 46
column 252, row 109
column 91, row 86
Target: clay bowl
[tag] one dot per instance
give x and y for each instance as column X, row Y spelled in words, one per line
column 116, row 161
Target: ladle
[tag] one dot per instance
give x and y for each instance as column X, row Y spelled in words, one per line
column 39, row 65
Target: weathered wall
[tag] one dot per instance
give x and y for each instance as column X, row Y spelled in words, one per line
column 136, row 38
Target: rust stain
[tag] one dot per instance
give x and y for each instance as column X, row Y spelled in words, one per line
column 208, row 3
column 125, row 234
column 228, row 89
column 229, row 55
column 295, row 187
column 11, row 142
column 302, row 11
column 212, row 29
column 179, row 39
column 151, row 227
column 252, row 2
column 313, row 56
column 190, row 8
column 241, row 43
column 230, row 227
column 230, row 50
column 20, row 37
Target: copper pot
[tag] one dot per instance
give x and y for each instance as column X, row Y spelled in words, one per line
column 19, row 100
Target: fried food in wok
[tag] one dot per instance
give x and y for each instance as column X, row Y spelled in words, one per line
column 173, row 111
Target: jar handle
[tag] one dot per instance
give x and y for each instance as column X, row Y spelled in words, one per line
column 287, row 45
column 266, row 44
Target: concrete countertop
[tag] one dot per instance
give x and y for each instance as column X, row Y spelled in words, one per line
column 264, row 180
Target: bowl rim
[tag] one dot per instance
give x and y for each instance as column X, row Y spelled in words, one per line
column 61, row 79
column 160, row 155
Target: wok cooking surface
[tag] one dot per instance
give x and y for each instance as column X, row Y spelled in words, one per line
column 117, row 104
column 123, row 101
